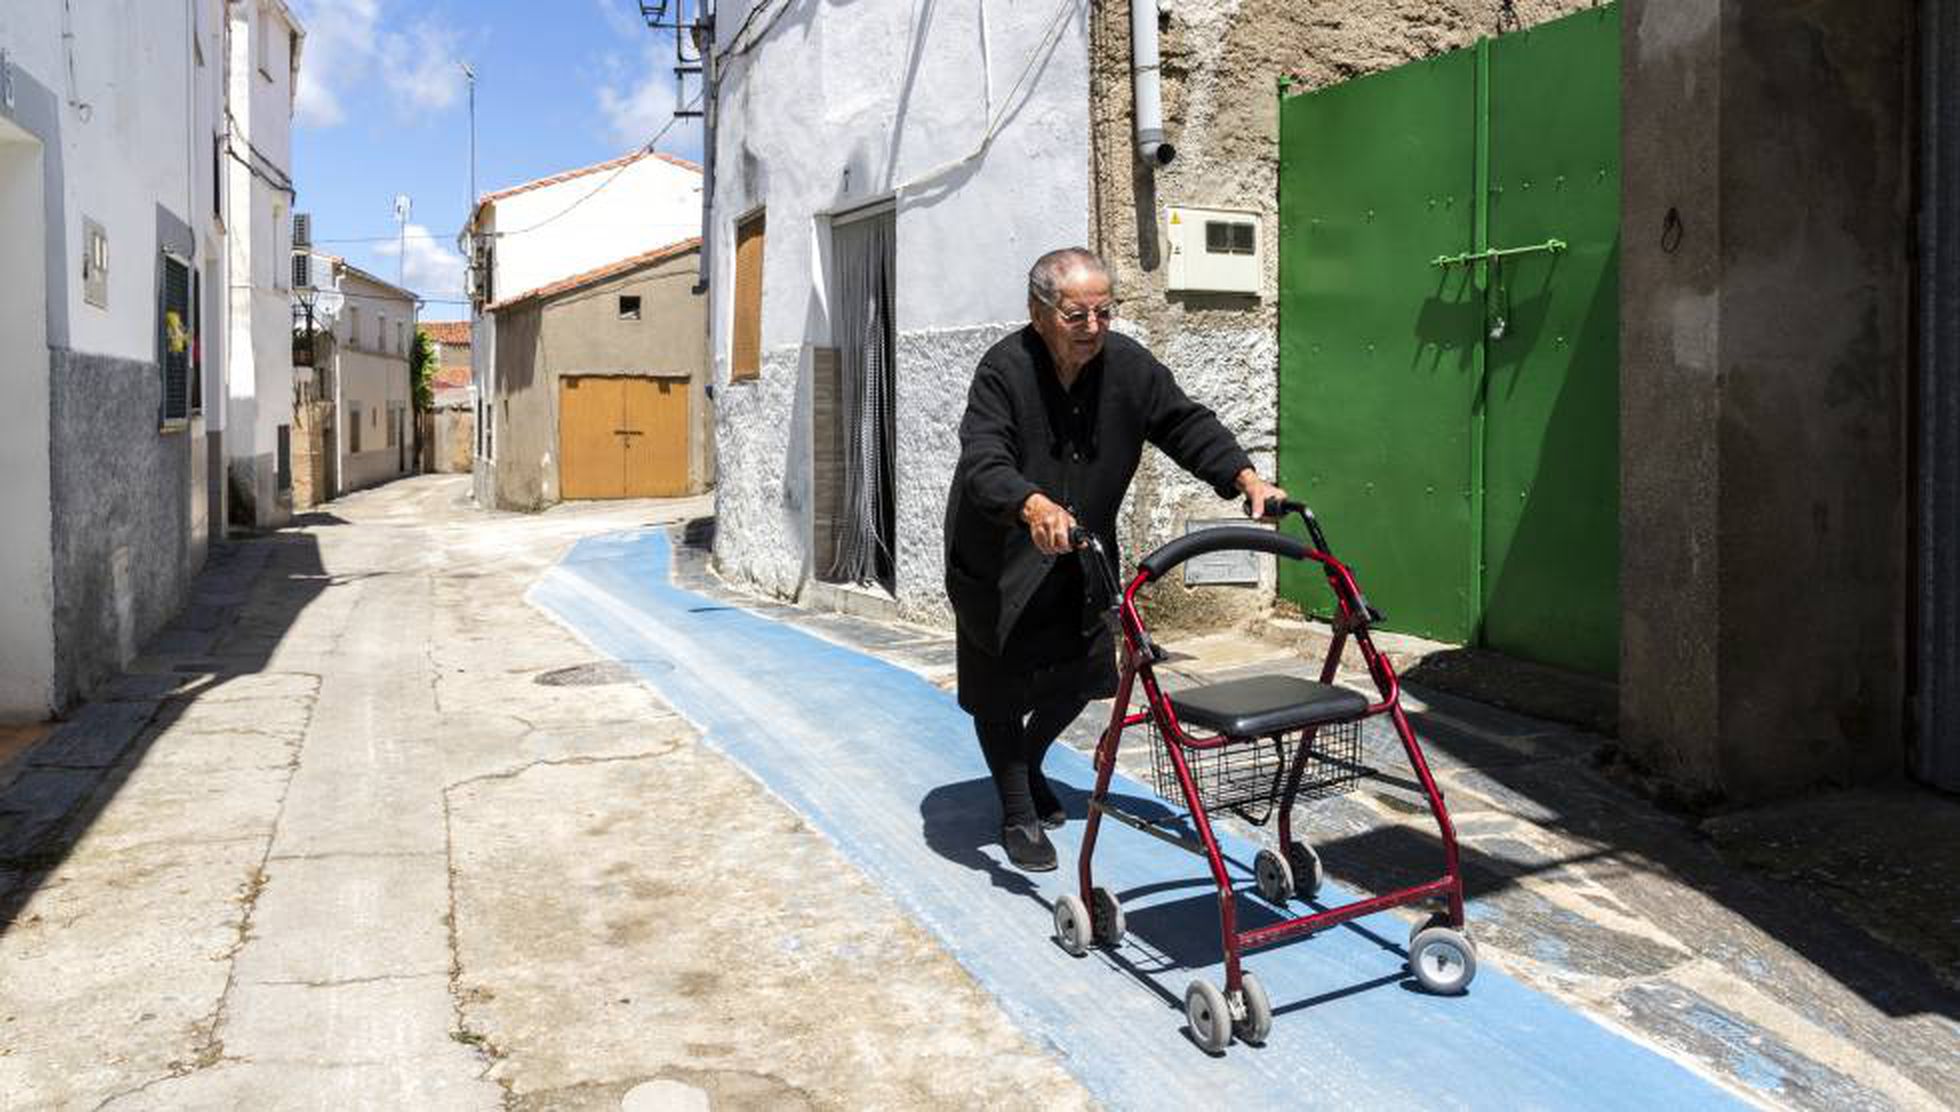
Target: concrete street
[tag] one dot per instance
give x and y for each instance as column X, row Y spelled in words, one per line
column 400, row 813
column 364, row 829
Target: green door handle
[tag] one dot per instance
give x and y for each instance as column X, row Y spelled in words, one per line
column 1552, row 245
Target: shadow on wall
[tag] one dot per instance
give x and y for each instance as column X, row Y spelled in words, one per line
column 241, row 607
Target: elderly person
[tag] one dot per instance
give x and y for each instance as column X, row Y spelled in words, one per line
column 1054, row 427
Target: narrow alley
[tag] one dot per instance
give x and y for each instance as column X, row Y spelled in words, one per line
column 401, row 813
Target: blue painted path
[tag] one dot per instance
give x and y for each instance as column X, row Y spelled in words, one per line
column 885, row 765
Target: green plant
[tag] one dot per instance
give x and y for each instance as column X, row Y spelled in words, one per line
column 422, row 371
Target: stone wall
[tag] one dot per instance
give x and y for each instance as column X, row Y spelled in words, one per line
column 123, row 551
column 448, row 438
column 1768, row 282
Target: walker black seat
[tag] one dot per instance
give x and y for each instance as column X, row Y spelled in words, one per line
column 1264, row 705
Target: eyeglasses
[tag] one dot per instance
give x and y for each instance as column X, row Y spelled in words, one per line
column 1076, row 318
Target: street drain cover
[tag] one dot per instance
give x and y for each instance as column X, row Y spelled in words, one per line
column 587, row 675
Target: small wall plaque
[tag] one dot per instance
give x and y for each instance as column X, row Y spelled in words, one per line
column 1221, row 569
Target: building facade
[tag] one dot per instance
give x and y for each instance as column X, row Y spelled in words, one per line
column 449, row 426
column 529, row 236
column 374, row 401
column 870, row 231
column 264, row 47
column 112, row 222
column 1743, row 433
column 353, row 399
column 601, row 390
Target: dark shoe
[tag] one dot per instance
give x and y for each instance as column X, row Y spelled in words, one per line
column 1027, row 847
column 1045, row 803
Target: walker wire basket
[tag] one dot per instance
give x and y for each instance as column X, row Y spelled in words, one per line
column 1248, row 775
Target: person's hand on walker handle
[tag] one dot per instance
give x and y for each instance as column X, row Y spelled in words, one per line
column 1262, row 498
column 1048, row 524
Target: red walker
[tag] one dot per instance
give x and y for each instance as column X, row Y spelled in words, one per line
column 1273, row 740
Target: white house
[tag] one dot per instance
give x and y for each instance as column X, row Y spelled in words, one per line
column 869, row 236
column 264, row 45
column 373, row 338
column 529, row 236
column 111, row 331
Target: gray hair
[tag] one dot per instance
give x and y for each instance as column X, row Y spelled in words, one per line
column 1045, row 276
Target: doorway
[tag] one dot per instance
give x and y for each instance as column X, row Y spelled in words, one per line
column 26, row 546
column 622, row 437
column 864, row 526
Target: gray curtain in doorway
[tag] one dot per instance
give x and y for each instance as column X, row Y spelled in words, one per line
column 861, row 254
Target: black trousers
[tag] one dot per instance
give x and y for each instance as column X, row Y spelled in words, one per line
column 1015, row 748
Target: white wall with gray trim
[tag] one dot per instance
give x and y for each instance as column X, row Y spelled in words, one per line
column 967, row 229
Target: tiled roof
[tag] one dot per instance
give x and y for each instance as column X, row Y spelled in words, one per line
column 447, row 331
column 452, row 378
column 610, row 270
column 568, row 175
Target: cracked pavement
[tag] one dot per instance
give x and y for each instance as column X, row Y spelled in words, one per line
column 362, row 828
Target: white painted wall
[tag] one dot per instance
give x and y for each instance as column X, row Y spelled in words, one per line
column 258, row 219
column 556, row 231
column 828, row 113
column 125, row 109
column 120, row 157
column 26, row 552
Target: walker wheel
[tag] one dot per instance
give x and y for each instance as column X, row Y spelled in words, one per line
column 1258, row 1021
column 1307, row 873
column 1437, row 919
column 1107, row 917
column 1443, row 960
column 1210, row 1020
column 1072, row 924
column 1274, row 877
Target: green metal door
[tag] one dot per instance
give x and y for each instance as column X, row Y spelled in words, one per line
column 1551, row 548
column 1377, row 354
column 1449, row 383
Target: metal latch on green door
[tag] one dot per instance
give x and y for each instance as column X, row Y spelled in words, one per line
column 1552, row 245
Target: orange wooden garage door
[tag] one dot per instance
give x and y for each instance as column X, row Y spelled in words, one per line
column 621, row 437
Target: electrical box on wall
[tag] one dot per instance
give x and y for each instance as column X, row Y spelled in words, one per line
column 1214, row 250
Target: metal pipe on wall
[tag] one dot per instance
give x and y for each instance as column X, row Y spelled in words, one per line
column 1145, row 78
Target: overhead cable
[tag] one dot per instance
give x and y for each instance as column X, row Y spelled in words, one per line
column 645, row 148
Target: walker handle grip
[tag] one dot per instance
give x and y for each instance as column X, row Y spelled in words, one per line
column 1274, row 508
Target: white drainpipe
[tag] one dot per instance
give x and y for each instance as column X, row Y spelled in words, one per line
column 1143, row 72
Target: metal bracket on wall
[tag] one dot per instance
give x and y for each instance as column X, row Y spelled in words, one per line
column 1552, row 245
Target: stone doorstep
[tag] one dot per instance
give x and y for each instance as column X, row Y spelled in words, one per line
column 1536, row 690
column 848, row 598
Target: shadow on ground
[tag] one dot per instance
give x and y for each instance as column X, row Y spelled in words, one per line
column 241, row 605
column 1535, row 799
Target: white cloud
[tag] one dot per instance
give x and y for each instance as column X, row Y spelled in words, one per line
column 420, row 67
column 639, row 97
column 340, row 42
column 346, row 47
column 431, row 268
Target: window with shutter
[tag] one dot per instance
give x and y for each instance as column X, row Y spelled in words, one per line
column 174, row 341
column 197, row 344
column 745, row 358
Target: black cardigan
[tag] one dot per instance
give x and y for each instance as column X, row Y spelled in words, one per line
column 1022, row 433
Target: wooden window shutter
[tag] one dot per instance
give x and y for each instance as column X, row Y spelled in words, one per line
column 745, row 361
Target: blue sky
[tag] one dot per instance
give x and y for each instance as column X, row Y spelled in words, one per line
column 382, row 109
